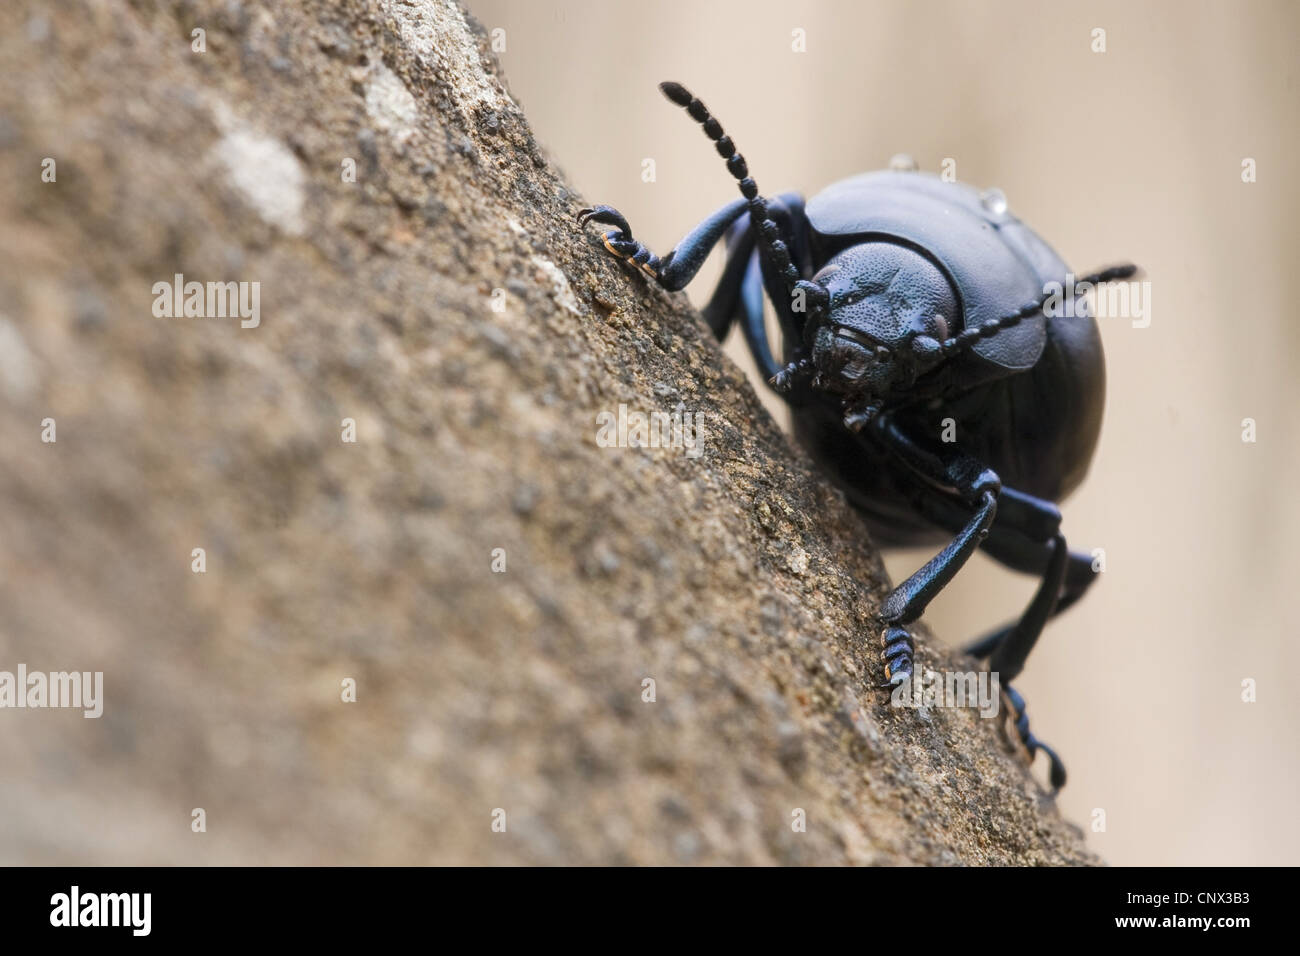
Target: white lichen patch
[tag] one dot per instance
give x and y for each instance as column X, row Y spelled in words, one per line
column 390, row 104
column 560, row 288
column 264, row 171
column 437, row 32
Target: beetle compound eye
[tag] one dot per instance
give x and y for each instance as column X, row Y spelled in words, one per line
column 926, row 349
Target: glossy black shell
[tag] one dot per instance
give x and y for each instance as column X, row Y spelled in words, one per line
column 1027, row 402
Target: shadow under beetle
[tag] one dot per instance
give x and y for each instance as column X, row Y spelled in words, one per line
column 908, row 307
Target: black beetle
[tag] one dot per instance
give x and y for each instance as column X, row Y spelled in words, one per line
column 925, row 372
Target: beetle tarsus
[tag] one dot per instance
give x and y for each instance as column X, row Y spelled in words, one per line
column 899, row 653
column 619, row 242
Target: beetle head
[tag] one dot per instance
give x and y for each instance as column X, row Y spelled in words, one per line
column 880, row 312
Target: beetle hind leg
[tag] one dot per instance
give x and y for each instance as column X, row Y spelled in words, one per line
column 1065, row 576
column 1079, row 574
column 1056, row 772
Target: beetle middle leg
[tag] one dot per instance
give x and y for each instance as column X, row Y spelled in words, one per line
column 746, row 277
column 1012, row 548
column 731, row 297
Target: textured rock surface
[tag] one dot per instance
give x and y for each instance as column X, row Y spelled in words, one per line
column 738, row 581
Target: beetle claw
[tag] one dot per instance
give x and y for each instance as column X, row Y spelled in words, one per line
column 607, row 215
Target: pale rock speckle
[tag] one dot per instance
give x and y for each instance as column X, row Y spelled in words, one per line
column 560, row 288
column 390, row 104
column 18, row 378
column 264, row 171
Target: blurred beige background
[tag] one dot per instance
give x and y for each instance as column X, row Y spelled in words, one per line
column 1131, row 154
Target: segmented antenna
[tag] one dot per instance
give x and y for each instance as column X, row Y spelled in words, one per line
column 768, row 231
column 967, row 338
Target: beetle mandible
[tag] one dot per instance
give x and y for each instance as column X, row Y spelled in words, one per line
column 904, row 303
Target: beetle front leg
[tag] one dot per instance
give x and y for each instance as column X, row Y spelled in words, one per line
column 675, row 270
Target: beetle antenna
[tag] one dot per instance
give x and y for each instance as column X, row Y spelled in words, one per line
column 966, row 339
column 768, row 231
